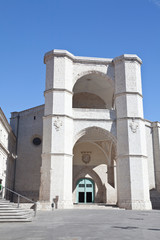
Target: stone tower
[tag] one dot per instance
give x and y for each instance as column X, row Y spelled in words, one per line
column 117, row 129
column 132, row 166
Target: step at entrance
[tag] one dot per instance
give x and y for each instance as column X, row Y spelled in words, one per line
column 96, row 206
column 10, row 213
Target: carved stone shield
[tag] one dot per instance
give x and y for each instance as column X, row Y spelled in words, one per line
column 86, row 158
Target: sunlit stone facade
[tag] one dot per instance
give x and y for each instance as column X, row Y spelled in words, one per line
column 7, row 152
column 89, row 142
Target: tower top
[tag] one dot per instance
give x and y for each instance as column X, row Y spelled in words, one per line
column 65, row 53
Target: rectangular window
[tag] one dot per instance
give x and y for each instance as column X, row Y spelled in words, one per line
column 89, row 185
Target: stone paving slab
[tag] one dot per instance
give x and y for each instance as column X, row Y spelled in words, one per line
column 86, row 224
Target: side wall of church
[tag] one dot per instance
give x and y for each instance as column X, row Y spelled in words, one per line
column 150, row 154
column 156, row 148
column 28, row 125
column 153, row 154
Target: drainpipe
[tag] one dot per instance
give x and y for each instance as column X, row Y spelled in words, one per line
column 15, row 161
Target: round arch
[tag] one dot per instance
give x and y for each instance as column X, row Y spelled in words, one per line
column 100, row 166
column 93, row 89
column 89, row 72
column 101, row 132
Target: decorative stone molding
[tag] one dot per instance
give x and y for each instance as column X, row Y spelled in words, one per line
column 56, row 154
column 128, row 93
column 133, row 125
column 57, row 90
column 77, row 59
column 131, row 155
column 86, row 157
column 127, row 57
column 57, row 124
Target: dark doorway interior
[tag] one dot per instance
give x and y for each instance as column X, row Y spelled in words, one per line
column 81, row 197
column 89, row 197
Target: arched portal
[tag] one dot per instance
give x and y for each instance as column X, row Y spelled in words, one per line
column 94, row 158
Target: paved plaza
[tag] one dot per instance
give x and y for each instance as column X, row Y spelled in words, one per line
column 86, row 224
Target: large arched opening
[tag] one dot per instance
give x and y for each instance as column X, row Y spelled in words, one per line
column 94, row 155
column 93, row 90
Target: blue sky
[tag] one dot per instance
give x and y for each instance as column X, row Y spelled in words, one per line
column 95, row 28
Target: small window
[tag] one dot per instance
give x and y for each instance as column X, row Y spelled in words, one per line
column 89, row 185
column 37, row 141
column 81, row 185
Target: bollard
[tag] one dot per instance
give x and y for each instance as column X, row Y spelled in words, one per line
column 55, row 200
column 52, row 205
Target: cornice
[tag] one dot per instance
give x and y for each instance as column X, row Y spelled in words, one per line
column 57, row 115
column 21, row 113
column 131, row 155
column 78, row 119
column 156, row 124
column 127, row 57
column 131, row 118
column 56, row 154
column 127, row 93
column 76, row 59
column 57, row 90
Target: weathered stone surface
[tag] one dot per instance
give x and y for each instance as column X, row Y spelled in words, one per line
column 91, row 127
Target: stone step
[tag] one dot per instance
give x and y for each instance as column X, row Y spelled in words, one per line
column 7, row 205
column 15, row 210
column 24, row 213
column 95, row 206
column 15, row 220
column 9, row 212
column 5, row 201
column 15, row 216
column 12, row 208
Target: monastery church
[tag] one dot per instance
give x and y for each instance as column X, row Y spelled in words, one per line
column 89, row 143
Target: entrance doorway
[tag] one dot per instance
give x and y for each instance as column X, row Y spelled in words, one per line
column 85, row 191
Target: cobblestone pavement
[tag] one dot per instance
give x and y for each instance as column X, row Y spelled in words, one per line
column 86, row 224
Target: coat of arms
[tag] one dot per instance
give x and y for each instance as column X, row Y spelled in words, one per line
column 57, row 124
column 133, row 125
column 86, row 157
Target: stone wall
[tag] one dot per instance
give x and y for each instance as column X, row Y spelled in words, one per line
column 150, row 154
column 7, row 152
column 28, row 126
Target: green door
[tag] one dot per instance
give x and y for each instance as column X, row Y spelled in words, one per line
column 85, row 191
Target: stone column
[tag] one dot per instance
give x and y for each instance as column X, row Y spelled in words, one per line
column 156, row 149
column 132, row 167
column 56, row 170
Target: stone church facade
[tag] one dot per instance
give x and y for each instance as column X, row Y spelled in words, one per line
column 89, row 142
